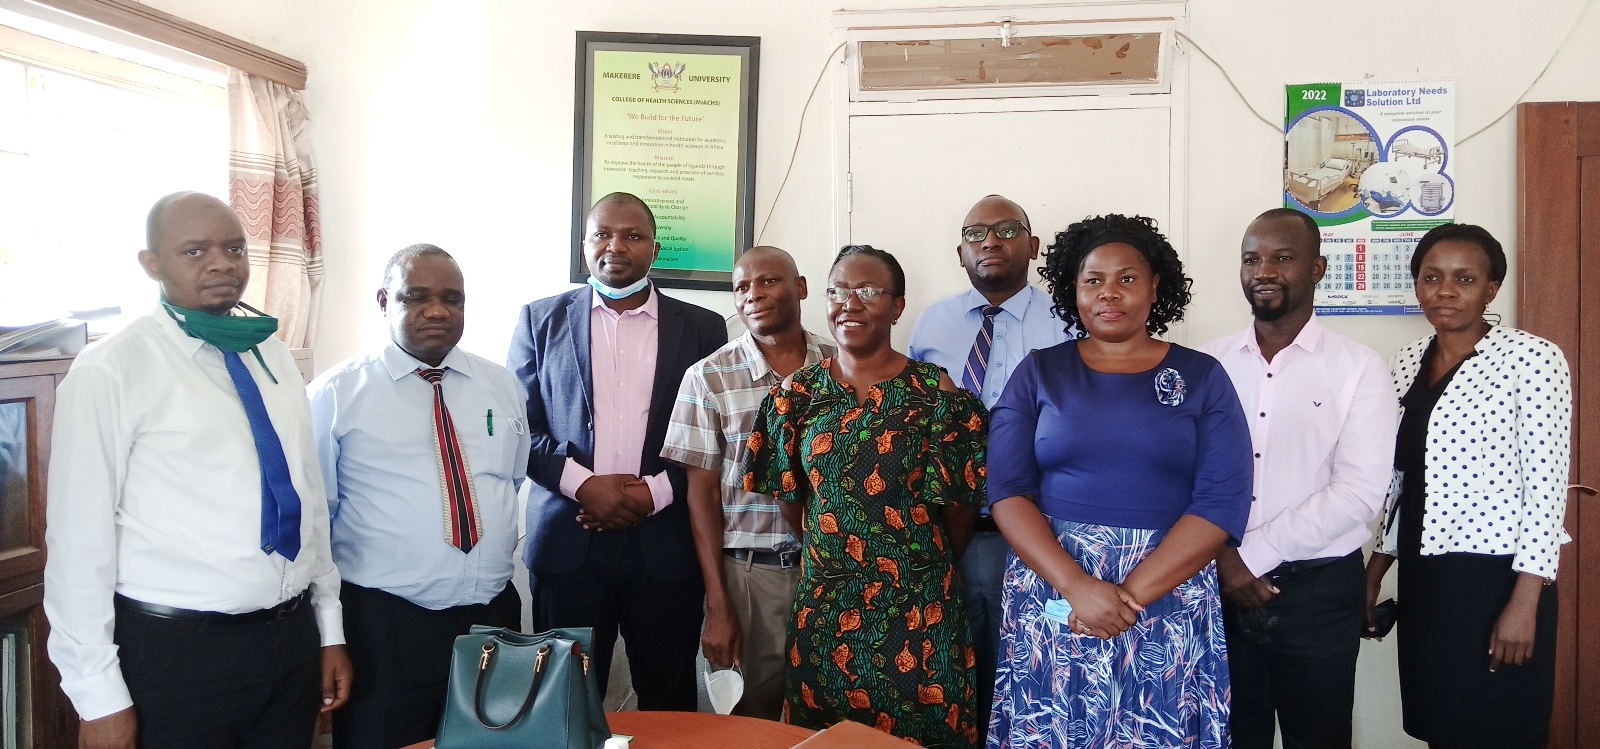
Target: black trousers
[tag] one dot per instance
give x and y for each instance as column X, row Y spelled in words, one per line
column 400, row 653
column 1296, row 657
column 659, row 620
column 208, row 685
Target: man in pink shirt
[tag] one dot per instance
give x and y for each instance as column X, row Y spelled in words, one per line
column 1322, row 422
column 609, row 541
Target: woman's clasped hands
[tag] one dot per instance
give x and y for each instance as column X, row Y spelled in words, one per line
column 1101, row 609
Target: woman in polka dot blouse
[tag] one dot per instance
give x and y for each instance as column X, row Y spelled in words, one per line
column 1476, row 509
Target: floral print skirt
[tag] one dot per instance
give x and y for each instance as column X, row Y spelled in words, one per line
column 1163, row 683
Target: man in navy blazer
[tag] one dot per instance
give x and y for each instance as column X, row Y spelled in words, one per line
column 609, row 541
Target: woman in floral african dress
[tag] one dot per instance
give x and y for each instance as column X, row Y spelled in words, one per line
column 885, row 459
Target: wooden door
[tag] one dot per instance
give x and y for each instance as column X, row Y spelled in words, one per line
column 1558, row 259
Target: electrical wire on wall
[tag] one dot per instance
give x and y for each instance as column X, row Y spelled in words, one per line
column 1277, row 127
column 1576, row 21
column 799, row 131
column 1183, row 39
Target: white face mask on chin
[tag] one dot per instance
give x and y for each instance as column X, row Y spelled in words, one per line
column 724, row 688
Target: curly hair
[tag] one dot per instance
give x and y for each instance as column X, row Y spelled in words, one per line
column 1066, row 255
column 1470, row 233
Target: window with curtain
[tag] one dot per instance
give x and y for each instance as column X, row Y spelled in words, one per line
column 91, row 134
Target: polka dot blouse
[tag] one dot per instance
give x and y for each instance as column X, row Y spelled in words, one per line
column 1499, row 442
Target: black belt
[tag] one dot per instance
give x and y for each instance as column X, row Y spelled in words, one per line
column 985, row 524
column 168, row 612
column 1289, row 568
column 784, row 559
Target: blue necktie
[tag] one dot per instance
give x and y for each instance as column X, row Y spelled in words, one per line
column 280, row 503
column 978, row 359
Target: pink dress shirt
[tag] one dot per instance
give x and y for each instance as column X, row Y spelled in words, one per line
column 622, row 360
column 1322, row 423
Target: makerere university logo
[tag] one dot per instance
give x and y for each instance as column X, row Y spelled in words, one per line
column 666, row 76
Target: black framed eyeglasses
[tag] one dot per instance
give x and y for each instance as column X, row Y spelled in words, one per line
column 867, row 294
column 1002, row 229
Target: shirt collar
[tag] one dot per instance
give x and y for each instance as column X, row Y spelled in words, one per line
column 1017, row 305
column 651, row 306
column 758, row 362
column 186, row 343
column 1495, row 333
column 1308, row 339
column 400, row 364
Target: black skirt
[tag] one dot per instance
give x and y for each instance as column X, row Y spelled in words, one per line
column 1449, row 606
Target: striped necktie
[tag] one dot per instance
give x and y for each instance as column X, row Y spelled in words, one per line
column 978, row 360
column 280, row 503
column 462, row 524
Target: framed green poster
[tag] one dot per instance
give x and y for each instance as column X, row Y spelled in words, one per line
column 671, row 119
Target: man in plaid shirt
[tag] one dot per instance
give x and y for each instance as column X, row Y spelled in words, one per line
column 748, row 554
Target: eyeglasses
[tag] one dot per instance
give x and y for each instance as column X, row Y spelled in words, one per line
column 1003, row 230
column 867, row 294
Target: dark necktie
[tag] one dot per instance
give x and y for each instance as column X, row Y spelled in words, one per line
column 462, row 525
column 978, row 360
column 280, row 503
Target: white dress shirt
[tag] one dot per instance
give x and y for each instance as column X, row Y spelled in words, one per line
column 372, row 419
column 1499, row 442
column 1322, row 424
column 155, row 493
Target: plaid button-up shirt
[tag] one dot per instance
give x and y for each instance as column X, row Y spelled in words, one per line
column 711, row 422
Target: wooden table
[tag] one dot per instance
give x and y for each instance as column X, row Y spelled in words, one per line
column 662, row 730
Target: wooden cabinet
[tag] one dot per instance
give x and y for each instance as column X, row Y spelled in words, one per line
column 33, row 711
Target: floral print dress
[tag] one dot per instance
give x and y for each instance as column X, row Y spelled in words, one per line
column 878, row 635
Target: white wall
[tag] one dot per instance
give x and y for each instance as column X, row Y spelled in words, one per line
column 449, row 121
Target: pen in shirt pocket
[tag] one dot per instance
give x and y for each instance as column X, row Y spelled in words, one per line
column 488, row 421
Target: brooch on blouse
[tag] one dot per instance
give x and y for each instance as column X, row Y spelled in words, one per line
column 1170, row 387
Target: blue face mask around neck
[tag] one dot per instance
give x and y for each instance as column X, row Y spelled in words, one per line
column 623, row 293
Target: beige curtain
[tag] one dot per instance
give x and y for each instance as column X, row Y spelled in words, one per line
column 272, row 185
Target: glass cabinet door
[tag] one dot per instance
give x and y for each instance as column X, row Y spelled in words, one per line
column 15, row 505
column 26, row 407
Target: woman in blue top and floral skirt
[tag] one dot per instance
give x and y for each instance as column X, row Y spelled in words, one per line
column 1120, row 465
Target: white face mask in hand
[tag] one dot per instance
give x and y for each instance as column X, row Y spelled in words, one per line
column 724, row 687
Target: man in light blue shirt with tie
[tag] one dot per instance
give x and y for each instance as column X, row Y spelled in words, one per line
column 423, row 447
column 979, row 336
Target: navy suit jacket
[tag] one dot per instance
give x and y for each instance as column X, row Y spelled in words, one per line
column 550, row 355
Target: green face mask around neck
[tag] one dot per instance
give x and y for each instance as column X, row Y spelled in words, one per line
column 227, row 332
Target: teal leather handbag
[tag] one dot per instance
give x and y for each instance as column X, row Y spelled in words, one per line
column 509, row 690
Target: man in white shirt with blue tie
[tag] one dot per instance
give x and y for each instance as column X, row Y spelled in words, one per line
column 979, row 336
column 423, row 447
column 192, row 599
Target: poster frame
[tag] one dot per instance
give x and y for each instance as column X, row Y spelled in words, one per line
column 583, row 151
column 1368, row 243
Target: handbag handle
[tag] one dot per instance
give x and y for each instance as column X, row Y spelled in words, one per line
column 533, row 688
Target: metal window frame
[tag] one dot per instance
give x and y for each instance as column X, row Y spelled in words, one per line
column 1162, row 84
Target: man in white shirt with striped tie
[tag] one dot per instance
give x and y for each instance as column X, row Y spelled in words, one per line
column 423, row 446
